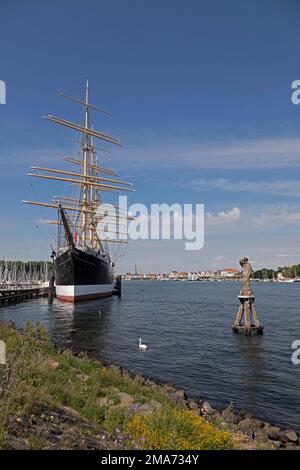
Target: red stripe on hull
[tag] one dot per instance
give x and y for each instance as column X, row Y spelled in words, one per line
column 80, row 298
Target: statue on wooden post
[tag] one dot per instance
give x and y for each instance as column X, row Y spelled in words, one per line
column 247, row 271
column 247, row 319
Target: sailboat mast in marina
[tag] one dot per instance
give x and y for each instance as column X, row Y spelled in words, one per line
column 82, row 261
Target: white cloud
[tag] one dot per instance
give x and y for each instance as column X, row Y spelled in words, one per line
column 279, row 187
column 276, row 218
column 236, row 220
column 223, row 217
column 189, row 153
column 186, row 152
column 253, row 220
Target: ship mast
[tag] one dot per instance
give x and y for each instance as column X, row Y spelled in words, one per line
column 85, row 164
column 88, row 178
column 91, row 237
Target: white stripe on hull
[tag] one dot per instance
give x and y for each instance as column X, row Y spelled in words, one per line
column 83, row 292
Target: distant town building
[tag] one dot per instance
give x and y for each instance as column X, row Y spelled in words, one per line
column 229, row 272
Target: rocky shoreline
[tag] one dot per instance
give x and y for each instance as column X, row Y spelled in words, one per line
column 54, row 398
column 254, row 433
column 64, row 424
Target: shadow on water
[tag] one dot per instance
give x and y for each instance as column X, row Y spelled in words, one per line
column 82, row 327
column 248, row 350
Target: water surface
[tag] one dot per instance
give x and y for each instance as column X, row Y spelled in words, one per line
column 187, row 326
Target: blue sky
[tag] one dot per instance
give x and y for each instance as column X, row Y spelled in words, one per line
column 200, row 95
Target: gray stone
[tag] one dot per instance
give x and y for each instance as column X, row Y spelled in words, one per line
column 125, row 399
column 273, row 432
column 252, row 423
column 245, row 427
column 229, row 417
column 291, row 445
column 256, row 423
column 169, row 389
column 178, row 397
column 193, row 405
column 288, row 436
column 261, row 435
column 147, row 409
column 207, row 408
column 69, row 412
column 180, row 394
column 156, row 405
column 244, row 414
column 276, row 444
column 249, row 426
column 104, row 401
column 214, row 417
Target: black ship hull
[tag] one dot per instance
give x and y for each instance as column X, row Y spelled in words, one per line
column 80, row 275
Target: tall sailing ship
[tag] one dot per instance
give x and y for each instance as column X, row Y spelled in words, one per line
column 83, row 265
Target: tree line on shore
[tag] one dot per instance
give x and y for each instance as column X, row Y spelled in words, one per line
column 39, row 269
column 289, row 272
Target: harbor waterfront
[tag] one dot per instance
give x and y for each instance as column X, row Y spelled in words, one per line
column 150, row 265
column 190, row 343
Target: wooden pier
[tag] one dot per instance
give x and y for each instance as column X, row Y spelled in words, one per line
column 18, row 294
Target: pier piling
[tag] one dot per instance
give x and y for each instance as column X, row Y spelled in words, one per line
column 51, row 289
column 248, row 313
column 118, row 287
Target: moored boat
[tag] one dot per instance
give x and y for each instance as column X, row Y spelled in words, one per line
column 83, row 264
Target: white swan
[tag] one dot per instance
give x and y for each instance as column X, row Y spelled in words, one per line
column 142, row 346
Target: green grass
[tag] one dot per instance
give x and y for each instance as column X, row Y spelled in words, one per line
column 37, row 373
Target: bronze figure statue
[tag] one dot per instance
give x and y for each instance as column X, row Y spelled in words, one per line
column 247, row 319
column 247, row 271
